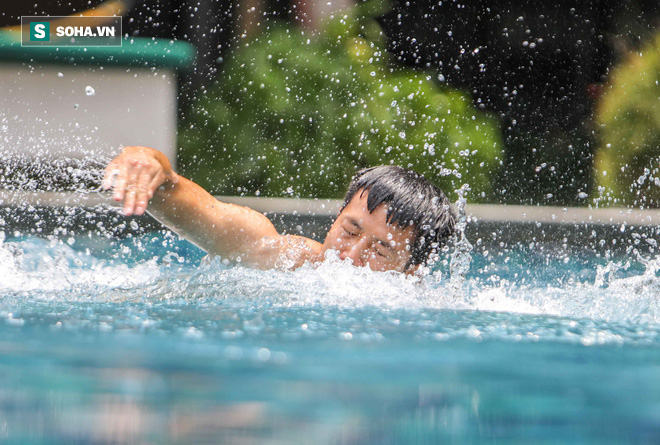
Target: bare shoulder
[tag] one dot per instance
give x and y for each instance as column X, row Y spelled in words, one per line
column 301, row 250
column 287, row 252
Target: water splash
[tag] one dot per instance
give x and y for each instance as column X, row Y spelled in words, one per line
column 461, row 257
column 128, row 286
column 604, row 274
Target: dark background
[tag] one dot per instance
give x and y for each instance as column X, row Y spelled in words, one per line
column 539, row 66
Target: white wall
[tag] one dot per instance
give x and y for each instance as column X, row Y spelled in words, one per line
column 45, row 111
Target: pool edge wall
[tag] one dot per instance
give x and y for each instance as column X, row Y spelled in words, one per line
column 89, row 102
column 559, row 230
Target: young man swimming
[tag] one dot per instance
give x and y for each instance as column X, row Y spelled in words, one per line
column 391, row 219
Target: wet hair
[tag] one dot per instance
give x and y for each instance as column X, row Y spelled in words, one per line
column 412, row 200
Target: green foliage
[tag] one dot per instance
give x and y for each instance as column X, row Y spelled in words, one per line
column 550, row 166
column 297, row 114
column 628, row 160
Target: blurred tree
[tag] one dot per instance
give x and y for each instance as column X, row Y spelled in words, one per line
column 297, row 114
column 627, row 161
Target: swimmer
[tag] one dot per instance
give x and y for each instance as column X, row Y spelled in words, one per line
column 391, row 219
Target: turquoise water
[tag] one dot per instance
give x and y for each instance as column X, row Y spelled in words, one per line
column 138, row 340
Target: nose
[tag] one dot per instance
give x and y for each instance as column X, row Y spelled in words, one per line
column 354, row 251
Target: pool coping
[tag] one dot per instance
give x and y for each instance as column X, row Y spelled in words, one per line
column 491, row 213
column 143, row 52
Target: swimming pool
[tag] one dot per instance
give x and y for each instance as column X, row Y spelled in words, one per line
column 135, row 339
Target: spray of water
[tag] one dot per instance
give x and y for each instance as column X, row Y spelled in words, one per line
column 62, row 270
column 461, row 258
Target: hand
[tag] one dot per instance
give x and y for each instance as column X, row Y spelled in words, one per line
column 137, row 173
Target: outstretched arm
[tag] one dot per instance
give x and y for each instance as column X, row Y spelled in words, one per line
column 144, row 178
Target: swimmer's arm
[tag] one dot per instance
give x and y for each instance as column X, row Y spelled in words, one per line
column 144, row 178
column 231, row 231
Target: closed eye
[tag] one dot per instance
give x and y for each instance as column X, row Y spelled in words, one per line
column 350, row 232
column 380, row 251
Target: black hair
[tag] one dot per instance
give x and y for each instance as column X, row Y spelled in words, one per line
column 412, row 200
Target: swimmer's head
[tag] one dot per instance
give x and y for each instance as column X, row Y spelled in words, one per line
column 412, row 202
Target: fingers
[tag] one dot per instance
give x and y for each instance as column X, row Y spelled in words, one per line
column 132, row 184
column 120, row 183
column 142, row 191
column 110, row 172
column 131, row 187
column 137, row 174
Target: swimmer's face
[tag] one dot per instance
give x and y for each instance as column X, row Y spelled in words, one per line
column 367, row 239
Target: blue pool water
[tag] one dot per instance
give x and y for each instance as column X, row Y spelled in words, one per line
column 137, row 340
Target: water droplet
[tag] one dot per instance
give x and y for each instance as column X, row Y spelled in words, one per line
column 263, row 354
column 89, row 90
